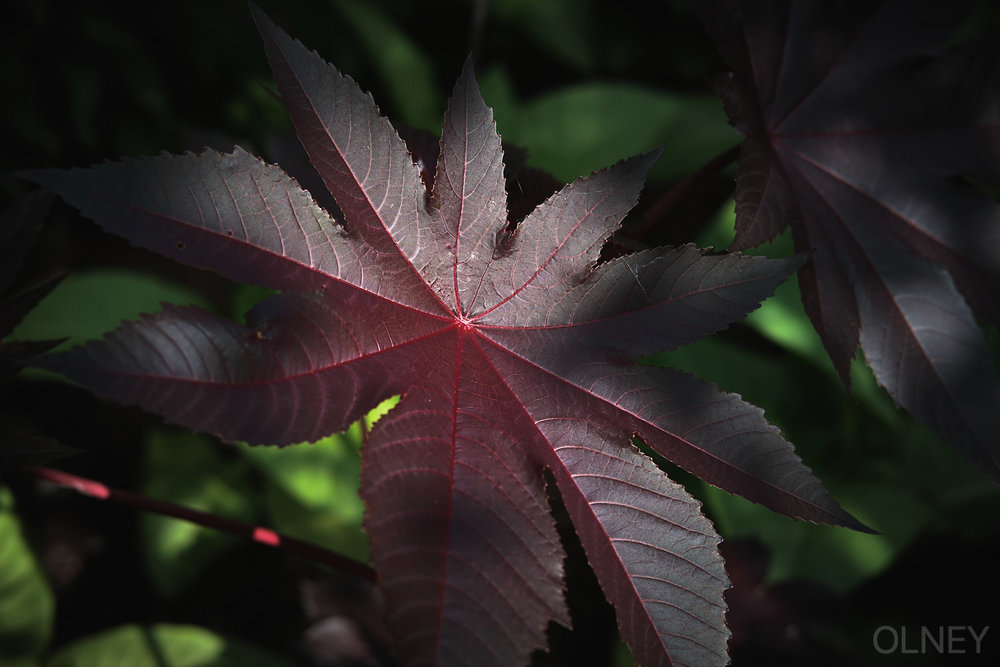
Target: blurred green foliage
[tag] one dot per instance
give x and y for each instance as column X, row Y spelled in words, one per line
column 161, row 646
column 85, row 305
column 575, row 130
column 312, row 491
column 406, row 72
column 189, row 470
column 26, row 602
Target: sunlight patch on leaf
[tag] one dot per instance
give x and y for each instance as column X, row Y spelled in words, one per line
column 379, row 411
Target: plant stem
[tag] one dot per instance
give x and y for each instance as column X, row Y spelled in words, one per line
column 259, row 534
column 661, row 208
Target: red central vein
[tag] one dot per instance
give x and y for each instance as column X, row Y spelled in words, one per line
column 597, row 319
column 339, row 155
column 193, row 227
column 291, row 377
column 458, row 222
column 451, row 481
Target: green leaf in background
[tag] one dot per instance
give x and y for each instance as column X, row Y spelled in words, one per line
column 86, row 305
column 563, row 28
column 622, row 656
column 161, row 646
column 837, row 558
column 312, row 492
column 781, row 318
column 189, row 470
column 405, row 70
column 26, row 601
column 245, row 297
column 578, row 129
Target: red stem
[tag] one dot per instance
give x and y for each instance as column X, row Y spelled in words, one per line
column 659, row 210
column 259, row 534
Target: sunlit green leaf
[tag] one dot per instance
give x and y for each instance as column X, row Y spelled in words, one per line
column 576, row 130
column 837, row 557
column 161, row 646
column 781, row 318
column 379, row 411
column 335, row 524
column 26, row 602
column 86, row 305
column 313, row 491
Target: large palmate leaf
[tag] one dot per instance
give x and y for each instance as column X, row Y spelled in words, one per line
column 514, row 354
column 872, row 148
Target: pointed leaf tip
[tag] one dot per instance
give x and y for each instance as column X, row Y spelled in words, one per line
column 558, row 244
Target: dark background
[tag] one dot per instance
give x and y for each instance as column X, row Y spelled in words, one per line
column 87, row 82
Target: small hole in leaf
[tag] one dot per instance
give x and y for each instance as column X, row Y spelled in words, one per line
column 180, row 245
column 229, row 232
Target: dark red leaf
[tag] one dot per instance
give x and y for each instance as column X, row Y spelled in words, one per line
column 656, row 555
column 513, row 350
column 22, row 445
column 864, row 136
column 19, row 225
column 467, row 553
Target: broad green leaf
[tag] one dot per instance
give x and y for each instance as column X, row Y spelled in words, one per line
column 836, row 557
column 26, row 602
column 87, row 304
column 566, row 131
column 161, row 646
